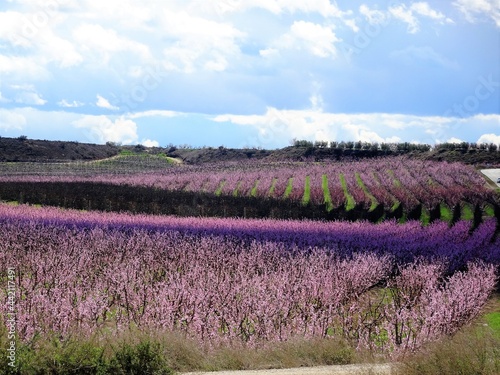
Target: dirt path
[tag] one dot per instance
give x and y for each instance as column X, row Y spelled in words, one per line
column 360, row 369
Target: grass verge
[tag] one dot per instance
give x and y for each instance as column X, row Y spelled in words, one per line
column 467, row 212
column 474, row 351
column 425, row 217
column 363, row 187
column 350, row 203
column 218, row 192
column 289, row 188
column 163, row 354
column 445, row 213
column 326, row 193
column 307, row 191
column 253, row 192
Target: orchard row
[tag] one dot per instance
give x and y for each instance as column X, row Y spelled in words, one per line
column 388, row 288
column 389, row 187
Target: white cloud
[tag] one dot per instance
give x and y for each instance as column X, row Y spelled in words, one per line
column 21, row 69
column 154, row 113
column 131, row 14
column 93, row 38
column 373, row 16
column 34, row 31
column 317, row 39
column 401, row 13
column 11, row 121
column 352, row 25
column 454, row 140
column 150, row 143
column 425, row 10
column 486, row 8
column 408, row 15
column 52, row 48
column 275, row 127
column 489, row 138
column 101, row 129
column 199, row 43
column 269, row 52
column 11, row 29
column 104, row 103
column 317, row 102
column 324, row 8
column 74, row 104
column 30, row 98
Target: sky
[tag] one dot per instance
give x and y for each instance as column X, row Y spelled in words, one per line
column 250, row 73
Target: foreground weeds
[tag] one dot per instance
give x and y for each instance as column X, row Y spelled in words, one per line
column 168, row 353
column 474, row 350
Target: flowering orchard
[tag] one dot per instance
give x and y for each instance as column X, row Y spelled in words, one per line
column 390, row 187
column 388, row 287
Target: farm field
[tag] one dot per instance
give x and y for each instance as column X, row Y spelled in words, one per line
column 390, row 257
column 375, row 190
column 384, row 288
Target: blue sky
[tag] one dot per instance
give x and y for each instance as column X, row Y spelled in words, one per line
column 255, row 73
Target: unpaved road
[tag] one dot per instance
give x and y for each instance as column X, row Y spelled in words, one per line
column 360, row 369
column 492, row 174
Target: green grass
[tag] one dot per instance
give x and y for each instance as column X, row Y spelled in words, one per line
column 253, row 192
column 88, row 356
column 307, row 191
column 467, row 212
column 445, row 213
column 489, row 210
column 493, row 321
column 350, row 203
column 289, row 188
column 395, row 205
column 273, row 186
column 363, row 187
column 326, row 193
column 126, row 153
column 474, row 350
column 235, row 191
column 137, row 352
column 425, row 217
column 218, row 192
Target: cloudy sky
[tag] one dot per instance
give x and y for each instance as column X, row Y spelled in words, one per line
column 250, row 72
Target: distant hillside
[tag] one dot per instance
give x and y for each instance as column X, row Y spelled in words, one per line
column 27, row 150
column 478, row 157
